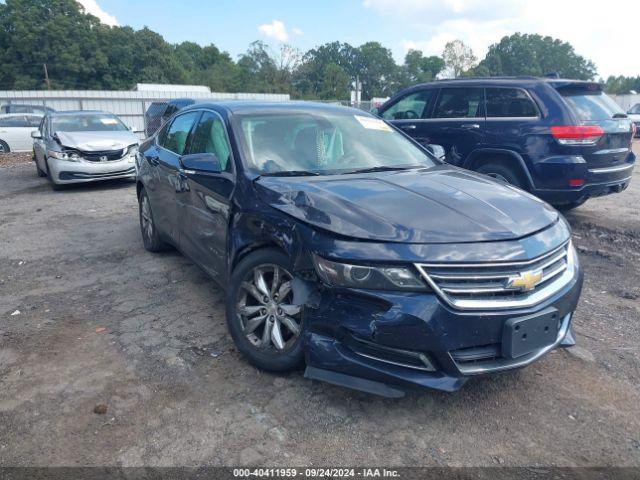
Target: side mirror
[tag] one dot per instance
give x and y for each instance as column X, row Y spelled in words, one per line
column 36, row 135
column 201, row 162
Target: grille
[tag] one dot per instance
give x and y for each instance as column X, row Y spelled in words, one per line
column 483, row 286
column 110, row 154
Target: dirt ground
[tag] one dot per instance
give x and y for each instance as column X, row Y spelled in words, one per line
column 89, row 318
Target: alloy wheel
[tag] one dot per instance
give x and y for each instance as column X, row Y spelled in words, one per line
column 264, row 306
column 147, row 219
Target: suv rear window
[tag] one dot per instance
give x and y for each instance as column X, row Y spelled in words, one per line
column 509, row 102
column 591, row 105
column 460, row 103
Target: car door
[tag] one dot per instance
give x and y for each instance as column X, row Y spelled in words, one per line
column 457, row 123
column 512, row 119
column 204, row 201
column 13, row 131
column 165, row 183
column 409, row 114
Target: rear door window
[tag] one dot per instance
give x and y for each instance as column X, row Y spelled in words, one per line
column 460, row 103
column 410, row 107
column 509, row 102
column 18, row 121
column 177, row 134
column 590, row 105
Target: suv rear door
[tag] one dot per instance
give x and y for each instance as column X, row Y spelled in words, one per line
column 458, row 122
column 592, row 107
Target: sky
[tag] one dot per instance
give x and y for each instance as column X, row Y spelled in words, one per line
column 607, row 33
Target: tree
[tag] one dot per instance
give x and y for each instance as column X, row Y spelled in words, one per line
column 622, row 85
column 378, row 72
column 418, row 68
column 532, row 54
column 312, row 72
column 458, row 58
column 335, row 83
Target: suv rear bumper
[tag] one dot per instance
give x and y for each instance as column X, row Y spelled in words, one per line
column 599, row 181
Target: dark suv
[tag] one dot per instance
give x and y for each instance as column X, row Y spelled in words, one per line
column 562, row 140
column 343, row 244
column 160, row 112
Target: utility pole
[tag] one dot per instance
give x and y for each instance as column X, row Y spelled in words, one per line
column 46, row 76
column 357, row 90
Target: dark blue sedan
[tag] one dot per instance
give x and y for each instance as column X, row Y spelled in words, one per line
column 344, row 245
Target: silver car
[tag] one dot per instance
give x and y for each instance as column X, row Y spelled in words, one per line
column 83, row 146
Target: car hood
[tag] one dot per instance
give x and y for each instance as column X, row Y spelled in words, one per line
column 436, row 205
column 635, row 117
column 97, row 141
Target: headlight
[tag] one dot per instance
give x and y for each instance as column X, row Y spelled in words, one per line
column 132, row 150
column 69, row 156
column 368, row 277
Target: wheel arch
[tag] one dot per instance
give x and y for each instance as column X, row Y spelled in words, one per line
column 505, row 157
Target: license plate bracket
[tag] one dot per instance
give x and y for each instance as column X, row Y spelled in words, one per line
column 523, row 335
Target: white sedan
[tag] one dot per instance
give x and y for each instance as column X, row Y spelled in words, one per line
column 15, row 131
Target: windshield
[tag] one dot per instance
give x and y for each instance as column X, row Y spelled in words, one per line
column 87, row 123
column 635, row 110
column 592, row 106
column 325, row 143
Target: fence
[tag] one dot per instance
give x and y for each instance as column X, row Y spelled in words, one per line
column 627, row 101
column 130, row 106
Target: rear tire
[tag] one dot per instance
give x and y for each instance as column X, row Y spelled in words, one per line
column 4, row 147
column 504, row 173
column 150, row 236
column 265, row 326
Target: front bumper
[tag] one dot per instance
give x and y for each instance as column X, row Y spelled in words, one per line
column 388, row 342
column 66, row 172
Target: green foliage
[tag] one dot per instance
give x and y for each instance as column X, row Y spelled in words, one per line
column 419, row 69
column 458, row 59
column 82, row 53
column 526, row 54
column 622, row 85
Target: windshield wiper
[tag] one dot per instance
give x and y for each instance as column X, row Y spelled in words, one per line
column 619, row 115
column 382, row 168
column 290, row 173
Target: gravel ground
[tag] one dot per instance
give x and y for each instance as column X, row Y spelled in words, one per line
column 90, row 322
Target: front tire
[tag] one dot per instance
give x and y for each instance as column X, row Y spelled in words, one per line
column 4, row 147
column 150, row 236
column 264, row 324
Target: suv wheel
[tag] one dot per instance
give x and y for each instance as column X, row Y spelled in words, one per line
column 4, row 147
column 565, row 207
column 501, row 172
column 150, row 235
column 264, row 324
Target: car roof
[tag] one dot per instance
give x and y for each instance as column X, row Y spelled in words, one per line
column 30, row 114
column 252, row 107
column 78, row 112
column 511, row 81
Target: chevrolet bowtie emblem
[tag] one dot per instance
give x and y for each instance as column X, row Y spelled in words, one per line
column 525, row 281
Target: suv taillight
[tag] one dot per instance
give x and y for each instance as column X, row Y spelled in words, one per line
column 577, row 134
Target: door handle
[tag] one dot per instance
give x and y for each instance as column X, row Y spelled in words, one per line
column 408, row 127
column 470, row 126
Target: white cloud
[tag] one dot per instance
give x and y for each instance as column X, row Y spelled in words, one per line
column 92, row 7
column 275, row 29
column 604, row 34
column 296, row 31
